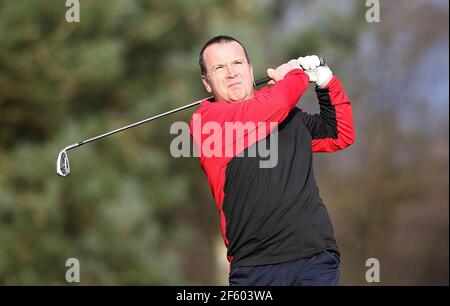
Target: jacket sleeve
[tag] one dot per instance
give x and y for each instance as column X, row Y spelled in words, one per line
column 270, row 105
column 264, row 111
column 332, row 129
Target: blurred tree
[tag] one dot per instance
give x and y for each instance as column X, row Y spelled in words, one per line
column 132, row 214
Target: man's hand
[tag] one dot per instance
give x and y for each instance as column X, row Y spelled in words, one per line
column 320, row 75
column 279, row 73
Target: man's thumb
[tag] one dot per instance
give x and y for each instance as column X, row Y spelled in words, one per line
column 271, row 73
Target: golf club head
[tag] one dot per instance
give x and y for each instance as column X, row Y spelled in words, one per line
column 62, row 164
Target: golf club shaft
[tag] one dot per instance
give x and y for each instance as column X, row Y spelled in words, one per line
column 257, row 83
column 133, row 125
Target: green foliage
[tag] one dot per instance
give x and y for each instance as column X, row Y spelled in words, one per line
column 130, row 212
column 122, row 212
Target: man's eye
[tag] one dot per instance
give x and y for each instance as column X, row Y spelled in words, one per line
column 217, row 68
column 239, row 62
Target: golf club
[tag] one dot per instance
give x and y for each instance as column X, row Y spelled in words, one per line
column 62, row 163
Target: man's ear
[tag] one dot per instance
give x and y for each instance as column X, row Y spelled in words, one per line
column 206, row 84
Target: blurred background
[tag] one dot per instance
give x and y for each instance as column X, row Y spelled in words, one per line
column 133, row 214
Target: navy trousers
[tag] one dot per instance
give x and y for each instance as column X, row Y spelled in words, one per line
column 320, row 270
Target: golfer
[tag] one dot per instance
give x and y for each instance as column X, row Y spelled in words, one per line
column 274, row 224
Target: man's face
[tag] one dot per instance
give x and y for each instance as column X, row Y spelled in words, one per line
column 228, row 74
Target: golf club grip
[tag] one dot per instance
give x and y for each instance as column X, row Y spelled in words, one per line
column 267, row 79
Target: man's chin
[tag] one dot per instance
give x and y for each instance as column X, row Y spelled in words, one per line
column 237, row 98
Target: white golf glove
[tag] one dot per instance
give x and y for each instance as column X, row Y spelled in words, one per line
column 317, row 74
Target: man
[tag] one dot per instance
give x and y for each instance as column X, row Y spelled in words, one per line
column 274, row 224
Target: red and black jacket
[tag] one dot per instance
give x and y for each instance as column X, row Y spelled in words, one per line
column 272, row 215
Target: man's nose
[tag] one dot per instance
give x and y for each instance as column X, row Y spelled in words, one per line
column 231, row 73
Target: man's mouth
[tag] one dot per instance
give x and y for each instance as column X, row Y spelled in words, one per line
column 234, row 84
